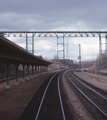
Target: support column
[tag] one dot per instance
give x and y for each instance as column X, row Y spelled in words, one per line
column 106, row 44
column 35, row 70
column 38, row 69
column 30, row 43
column 60, row 48
column 80, row 56
column 100, row 45
column 26, row 42
column 28, row 78
column 23, row 80
column 8, row 75
column 17, row 83
column 42, row 69
column 100, row 50
column 32, row 72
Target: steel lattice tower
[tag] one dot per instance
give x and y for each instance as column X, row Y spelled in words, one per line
column 60, row 48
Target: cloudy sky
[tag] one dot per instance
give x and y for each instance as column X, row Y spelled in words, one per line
column 56, row 15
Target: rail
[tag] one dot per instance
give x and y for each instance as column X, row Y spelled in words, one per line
column 94, row 97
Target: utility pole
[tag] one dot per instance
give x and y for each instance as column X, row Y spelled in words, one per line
column 79, row 56
column 95, row 68
column 67, row 51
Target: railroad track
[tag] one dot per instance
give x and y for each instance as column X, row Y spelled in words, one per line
column 51, row 106
column 94, row 99
column 48, row 104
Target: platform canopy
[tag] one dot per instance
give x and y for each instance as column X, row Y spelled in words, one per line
column 9, row 51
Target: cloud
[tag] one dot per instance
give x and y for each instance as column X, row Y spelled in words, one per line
column 43, row 45
column 49, row 15
column 57, row 15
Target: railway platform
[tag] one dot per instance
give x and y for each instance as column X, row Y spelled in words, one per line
column 14, row 101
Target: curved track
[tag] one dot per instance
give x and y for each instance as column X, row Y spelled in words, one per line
column 49, row 102
column 94, row 99
column 51, row 106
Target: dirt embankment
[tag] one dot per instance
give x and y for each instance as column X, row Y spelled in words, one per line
column 95, row 80
column 57, row 65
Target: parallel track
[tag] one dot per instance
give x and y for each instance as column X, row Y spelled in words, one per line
column 94, row 100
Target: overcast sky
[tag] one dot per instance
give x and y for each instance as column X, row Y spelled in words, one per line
column 52, row 15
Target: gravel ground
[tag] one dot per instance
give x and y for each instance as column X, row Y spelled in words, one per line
column 97, row 81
